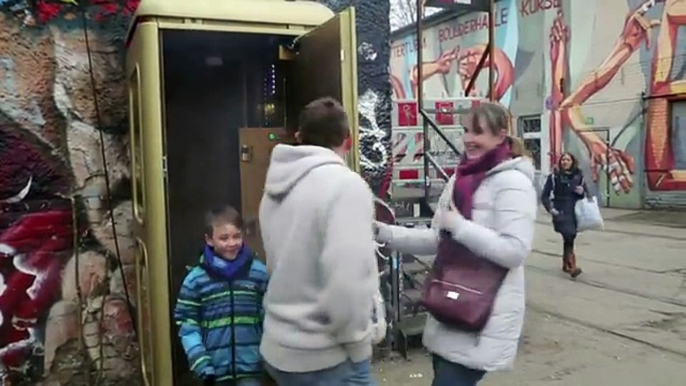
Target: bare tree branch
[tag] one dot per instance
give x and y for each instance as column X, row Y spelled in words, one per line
column 404, row 12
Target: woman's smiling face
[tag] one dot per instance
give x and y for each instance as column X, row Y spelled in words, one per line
column 479, row 138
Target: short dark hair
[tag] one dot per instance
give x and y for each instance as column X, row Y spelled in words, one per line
column 323, row 122
column 221, row 216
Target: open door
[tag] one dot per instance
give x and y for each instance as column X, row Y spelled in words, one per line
column 326, row 65
column 256, row 149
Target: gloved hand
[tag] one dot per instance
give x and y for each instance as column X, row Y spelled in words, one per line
column 209, row 380
column 554, row 212
column 206, row 374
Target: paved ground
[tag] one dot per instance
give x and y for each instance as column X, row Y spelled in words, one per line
column 623, row 322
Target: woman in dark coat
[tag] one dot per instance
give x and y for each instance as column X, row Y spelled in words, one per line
column 562, row 190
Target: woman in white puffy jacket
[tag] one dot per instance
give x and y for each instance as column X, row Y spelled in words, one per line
column 498, row 182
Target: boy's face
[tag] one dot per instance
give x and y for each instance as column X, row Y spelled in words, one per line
column 226, row 240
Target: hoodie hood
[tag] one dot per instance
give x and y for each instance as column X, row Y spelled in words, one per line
column 289, row 164
column 520, row 164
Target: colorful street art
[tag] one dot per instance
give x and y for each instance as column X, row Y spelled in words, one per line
column 64, row 314
column 604, row 78
column 34, row 12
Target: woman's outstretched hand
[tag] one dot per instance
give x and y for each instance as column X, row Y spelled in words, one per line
column 449, row 218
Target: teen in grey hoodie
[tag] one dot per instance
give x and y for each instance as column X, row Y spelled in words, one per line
column 316, row 218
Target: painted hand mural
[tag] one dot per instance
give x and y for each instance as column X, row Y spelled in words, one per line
column 466, row 60
column 565, row 109
column 611, row 83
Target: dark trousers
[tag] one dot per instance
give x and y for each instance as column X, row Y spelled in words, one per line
column 568, row 241
column 454, row 374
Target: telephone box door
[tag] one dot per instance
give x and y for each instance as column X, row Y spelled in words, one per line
column 152, row 282
column 326, row 65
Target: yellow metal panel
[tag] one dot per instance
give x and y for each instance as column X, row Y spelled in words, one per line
column 150, row 230
column 265, row 29
column 304, row 13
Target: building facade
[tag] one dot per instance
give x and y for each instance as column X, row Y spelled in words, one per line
column 602, row 79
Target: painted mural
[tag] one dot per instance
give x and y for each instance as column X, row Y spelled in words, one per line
column 374, row 99
column 603, row 77
column 64, row 311
column 64, row 314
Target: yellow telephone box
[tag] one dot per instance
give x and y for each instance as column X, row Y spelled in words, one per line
column 213, row 85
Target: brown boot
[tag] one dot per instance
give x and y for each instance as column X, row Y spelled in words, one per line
column 566, row 266
column 574, row 271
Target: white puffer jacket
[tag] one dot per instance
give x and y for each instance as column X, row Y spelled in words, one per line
column 501, row 230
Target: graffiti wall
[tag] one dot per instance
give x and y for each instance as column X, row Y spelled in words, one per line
column 373, row 34
column 64, row 308
column 64, row 312
column 602, row 79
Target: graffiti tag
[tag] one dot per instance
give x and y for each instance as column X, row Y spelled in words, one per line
column 531, row 7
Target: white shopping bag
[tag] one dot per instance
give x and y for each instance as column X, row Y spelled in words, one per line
column 588, row 214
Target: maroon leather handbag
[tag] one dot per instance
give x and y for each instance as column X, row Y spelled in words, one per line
column 462, row 287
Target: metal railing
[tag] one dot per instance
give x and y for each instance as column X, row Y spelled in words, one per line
column 429, row 161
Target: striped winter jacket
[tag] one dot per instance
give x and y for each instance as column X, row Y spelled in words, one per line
column 221, row 321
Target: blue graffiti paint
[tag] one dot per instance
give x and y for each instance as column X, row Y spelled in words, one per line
column 14, row 5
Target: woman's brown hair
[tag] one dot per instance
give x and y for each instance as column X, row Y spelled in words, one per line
column 498, row 118
column 575, row 161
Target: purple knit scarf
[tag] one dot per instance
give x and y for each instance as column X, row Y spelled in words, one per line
column 469, row 175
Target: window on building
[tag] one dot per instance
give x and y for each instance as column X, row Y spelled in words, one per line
column 529, row 130
column 678, row 112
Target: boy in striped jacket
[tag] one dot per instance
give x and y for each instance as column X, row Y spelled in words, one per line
column 219, row 308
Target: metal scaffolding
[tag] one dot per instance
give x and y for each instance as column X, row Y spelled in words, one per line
column 465, row 6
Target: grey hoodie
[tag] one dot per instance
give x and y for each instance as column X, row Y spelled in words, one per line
column 316, row 220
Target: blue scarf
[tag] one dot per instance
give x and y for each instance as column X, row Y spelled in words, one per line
column 225, row 268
